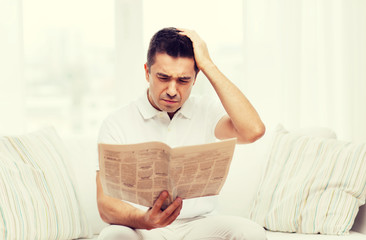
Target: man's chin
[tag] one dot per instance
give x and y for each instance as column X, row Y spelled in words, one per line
column 170, row 109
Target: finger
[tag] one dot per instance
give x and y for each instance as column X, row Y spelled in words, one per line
column 167, row 213
column 174, row 215
column 159, row 202
column 185, row 32
column 182, row 29
column 191, row 34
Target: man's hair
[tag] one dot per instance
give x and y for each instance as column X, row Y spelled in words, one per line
column 169, row 41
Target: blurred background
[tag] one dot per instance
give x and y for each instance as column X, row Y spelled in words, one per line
column 70, row 63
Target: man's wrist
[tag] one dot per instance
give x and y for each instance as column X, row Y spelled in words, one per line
column 137, row 218
column 207, row 67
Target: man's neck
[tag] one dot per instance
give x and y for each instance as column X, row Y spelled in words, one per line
column 171, row 114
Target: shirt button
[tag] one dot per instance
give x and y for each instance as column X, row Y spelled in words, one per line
column 169, row 129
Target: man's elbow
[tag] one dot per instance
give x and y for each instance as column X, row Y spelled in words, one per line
column 258, row 132
column 106, row 206
column 105, row 211
column 104, row 218
column 254, row 134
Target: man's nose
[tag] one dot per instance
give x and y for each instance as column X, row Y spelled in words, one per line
column 172, row 89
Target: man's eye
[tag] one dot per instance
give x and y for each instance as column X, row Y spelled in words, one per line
column 183, row 81
column 163, row 78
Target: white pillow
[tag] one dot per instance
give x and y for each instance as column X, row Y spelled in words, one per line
column 247, row 167
column 321, row 132
column 37, row 195
column 311, row 185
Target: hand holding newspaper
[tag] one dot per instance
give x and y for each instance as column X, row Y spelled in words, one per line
column 138, row 173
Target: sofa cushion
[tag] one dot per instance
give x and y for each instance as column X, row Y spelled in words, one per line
column 37, row 195
column 245, row 171
column 247, row 167
column 311, row 185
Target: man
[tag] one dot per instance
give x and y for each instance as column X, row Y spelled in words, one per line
column 167, row 113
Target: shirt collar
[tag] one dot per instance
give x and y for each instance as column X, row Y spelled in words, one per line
column 148, row 111
column 187, row 109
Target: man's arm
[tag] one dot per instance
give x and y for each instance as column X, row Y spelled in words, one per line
column 115, row 211
column 242, row 121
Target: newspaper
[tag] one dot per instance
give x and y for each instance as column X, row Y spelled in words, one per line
column 138, row 173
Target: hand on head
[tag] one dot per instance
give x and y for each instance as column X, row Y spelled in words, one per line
column 200, row 49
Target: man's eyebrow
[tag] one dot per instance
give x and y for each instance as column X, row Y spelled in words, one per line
column 162, row 75
column 185, row 77
column 159, row 74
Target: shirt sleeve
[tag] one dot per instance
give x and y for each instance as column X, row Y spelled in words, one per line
column 109, row 133
column 215, row 112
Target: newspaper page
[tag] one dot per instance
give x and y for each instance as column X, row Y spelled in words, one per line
column 138, row 173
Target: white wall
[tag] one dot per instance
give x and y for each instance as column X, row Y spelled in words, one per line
column 11, row 74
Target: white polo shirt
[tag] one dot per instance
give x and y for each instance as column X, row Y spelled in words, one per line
column 193, row 124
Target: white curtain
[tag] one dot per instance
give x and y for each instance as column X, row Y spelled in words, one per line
column 305, row 63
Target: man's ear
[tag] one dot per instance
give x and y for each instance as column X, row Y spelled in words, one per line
column 195, row 77
column 146, row 72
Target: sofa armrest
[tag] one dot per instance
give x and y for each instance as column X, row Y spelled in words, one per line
column 360, row 221
column 83, row 159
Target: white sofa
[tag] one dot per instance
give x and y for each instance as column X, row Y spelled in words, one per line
column 244, row 178
column 236, row 198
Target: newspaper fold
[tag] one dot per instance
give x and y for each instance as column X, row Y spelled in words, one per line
column 138, row 173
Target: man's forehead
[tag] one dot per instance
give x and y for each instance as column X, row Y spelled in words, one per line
column 167, row 65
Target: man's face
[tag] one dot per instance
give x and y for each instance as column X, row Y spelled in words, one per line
column 170, row 82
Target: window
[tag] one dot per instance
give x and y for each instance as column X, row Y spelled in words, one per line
column 69, row 63
column 76, row 61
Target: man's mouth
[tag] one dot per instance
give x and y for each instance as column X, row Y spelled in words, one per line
column 169, row 101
